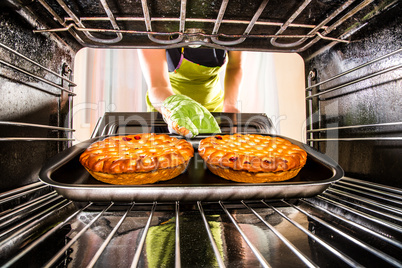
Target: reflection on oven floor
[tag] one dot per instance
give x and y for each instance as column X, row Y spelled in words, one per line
column 350, row 224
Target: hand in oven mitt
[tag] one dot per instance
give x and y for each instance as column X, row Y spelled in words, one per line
column 187, row 117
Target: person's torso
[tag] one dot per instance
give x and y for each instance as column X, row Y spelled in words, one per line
column 201, row 56
column 194, row 72
column 196, row 75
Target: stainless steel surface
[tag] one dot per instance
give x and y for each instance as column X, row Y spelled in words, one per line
column 333, row 229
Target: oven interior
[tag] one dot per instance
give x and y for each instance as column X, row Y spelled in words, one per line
column 352, row 54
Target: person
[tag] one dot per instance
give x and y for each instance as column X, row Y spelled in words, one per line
column 192, row 72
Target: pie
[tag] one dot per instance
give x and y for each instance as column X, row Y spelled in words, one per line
column 252, row 158
column 137, row 159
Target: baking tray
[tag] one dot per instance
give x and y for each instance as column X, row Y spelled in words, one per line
column 69, row 178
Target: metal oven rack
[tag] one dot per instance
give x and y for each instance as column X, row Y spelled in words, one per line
column 293, row 35
column 59, row 87
column 354, row 223
column 319, row 94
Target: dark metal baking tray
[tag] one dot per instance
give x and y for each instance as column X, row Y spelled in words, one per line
column 69, row 178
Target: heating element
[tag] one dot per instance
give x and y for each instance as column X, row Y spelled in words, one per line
column 152, row 23
column 354, row 223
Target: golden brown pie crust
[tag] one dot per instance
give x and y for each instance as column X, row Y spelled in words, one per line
column 137, row 159
column 252, row 158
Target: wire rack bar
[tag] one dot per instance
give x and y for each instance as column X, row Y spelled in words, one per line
column 347, row 192
column 390, row 69
column 108, row 239
column 19, row 192
column 256, row 252
column 24, row 205
column 15, row 193
column 23, row 232
column 27, row 208
column 356, row 126
column 34, row 139
column 23, row 225
column 37, row 64
column 359, row 226
column 38, row 78
column 297, row 252
column 360, row 207
column 346, row 259
column 364, row 215
column 385, row 188
column 52, row 261
column 384, row 191
column 177, row 236
column 136, row 258
column 356, row 241
column 344, row 189
column 20, row 124
column 210, row 236
column 42, row 238
column 355, row 69
column 359, row 139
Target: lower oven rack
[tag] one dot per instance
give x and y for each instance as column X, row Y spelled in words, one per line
column 353, row 223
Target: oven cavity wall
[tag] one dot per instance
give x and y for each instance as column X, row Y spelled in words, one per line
column 353, row 99
column 36, row 94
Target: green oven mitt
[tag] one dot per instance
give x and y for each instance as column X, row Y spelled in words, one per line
column 187, row 117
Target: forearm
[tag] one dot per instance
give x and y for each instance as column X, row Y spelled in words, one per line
column 233, row 78
column 155, row 71
column 157, row 95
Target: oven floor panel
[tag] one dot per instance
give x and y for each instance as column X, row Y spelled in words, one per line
column 324, row 231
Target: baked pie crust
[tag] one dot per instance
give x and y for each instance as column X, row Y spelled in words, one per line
column 137, row 159
column 252, row 158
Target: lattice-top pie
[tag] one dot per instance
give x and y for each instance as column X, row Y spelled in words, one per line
column 137, row 159
column 252, row 158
